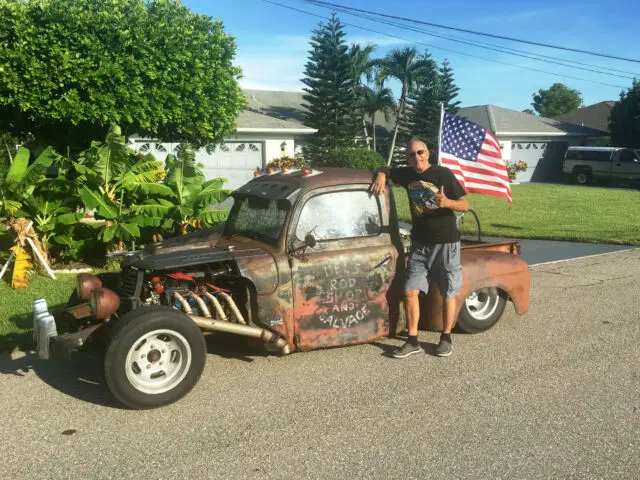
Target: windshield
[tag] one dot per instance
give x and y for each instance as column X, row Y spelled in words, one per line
column 257, row 217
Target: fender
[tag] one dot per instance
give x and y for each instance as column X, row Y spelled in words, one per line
column 482, row 269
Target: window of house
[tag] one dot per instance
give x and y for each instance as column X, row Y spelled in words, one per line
column 337, row 215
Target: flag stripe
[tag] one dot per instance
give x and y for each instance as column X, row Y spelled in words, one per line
column 475, row 180
column 490, row 153
column 476, row 168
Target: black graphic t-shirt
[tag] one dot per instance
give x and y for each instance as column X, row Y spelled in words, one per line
column 430, row 223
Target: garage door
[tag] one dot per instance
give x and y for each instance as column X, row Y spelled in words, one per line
column 235, row 161
column 543, row 160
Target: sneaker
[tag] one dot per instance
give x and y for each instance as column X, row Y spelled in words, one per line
column 444, row 348
column 406, row 350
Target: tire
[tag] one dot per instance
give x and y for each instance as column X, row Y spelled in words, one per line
column 481, row 310
column 155, row 357
column 582, row 178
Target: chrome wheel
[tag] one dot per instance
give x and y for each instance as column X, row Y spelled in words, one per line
column 481, row 310
column 158, row 361
column 482, row 304
column 582, row 178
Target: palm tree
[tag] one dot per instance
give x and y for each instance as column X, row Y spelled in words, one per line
column 374, row 100
column 406, row 66
column 362, row 65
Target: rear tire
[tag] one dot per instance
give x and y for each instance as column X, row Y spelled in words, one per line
column 582, row 178
column 155, row 357
column 481, row 310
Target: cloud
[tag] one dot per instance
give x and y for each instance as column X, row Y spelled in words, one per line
column 272, row 72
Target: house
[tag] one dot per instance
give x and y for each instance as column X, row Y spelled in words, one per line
column 266, row 128
column 592, row 116
column 538, row 141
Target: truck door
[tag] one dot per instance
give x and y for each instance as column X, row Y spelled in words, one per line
column 626, row 165
column 340, row 283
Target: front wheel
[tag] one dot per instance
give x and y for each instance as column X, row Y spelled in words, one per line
column 155, row 357
column 481, row 310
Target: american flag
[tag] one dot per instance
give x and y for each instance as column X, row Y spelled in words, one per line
column 473, row 154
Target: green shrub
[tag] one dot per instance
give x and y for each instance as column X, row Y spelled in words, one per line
column 356, row 157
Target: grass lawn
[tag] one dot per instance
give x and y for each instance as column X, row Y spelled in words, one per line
column 16, row 319
column 554, row 212
column 560, row 212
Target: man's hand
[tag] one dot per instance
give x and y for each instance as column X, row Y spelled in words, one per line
column 441, row 199
column 378, row 184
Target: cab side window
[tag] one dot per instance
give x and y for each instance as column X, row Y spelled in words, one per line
column 337, row 215
column 628, row 156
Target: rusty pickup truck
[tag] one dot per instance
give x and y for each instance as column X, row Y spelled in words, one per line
column 307, row 259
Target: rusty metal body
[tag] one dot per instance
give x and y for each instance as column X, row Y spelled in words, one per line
column 336, row 292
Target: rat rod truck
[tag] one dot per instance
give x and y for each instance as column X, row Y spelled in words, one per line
column 307, row 259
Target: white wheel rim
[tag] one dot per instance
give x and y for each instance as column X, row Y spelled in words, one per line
column 482, row 303
column 158, row 361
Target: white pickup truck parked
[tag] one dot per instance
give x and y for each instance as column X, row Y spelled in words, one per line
column 602, row 163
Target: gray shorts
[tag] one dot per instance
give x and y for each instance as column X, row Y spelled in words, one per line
column 440, row 263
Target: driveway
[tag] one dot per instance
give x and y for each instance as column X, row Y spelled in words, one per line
column 552, row 394
column 537, row 252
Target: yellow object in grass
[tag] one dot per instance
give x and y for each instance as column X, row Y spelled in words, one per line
column 21, row 267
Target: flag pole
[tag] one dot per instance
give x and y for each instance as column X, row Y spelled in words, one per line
column 440, row 132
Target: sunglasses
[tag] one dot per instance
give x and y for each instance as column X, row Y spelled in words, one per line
column 417, row 152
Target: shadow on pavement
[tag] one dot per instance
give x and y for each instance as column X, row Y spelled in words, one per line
column 79, row 377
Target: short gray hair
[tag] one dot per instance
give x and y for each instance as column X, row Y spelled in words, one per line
column 416, row 139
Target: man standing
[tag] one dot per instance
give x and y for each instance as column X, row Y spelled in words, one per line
column 434, row 194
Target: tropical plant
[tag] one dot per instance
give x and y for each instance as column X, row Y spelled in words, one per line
column 424, row 103
column 21, row 180
column 406, row 66
column 112, row 177
column 376, row 99
column 51, row 213
column 189, row 197
column 362, row 65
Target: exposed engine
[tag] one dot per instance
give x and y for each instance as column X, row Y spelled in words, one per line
column 195, row 293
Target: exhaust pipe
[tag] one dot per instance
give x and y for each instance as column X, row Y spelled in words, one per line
column 201, row 305
column 183, row 302
column 245, row 330
column 216, row 304
column 233, row 306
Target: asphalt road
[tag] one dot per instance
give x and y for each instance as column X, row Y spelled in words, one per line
column 552, row 394
column 537, row 252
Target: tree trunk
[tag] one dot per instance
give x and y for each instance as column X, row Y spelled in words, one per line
column 373, row 126
column 366, row 134
column 395, row 131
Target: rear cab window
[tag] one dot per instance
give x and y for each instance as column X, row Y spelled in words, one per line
column 589, row 155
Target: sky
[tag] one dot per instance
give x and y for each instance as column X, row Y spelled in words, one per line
column 273, row 42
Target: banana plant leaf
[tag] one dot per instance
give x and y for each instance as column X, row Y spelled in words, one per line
column 101, row 202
